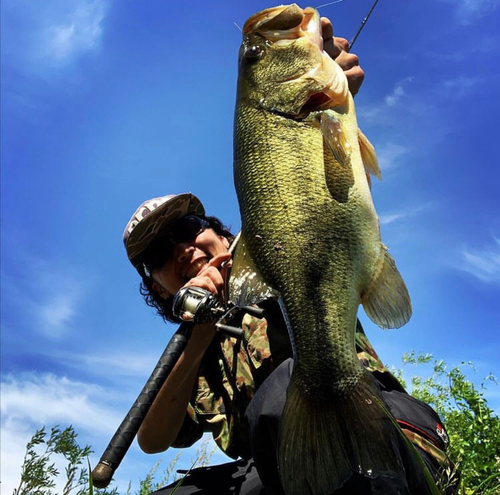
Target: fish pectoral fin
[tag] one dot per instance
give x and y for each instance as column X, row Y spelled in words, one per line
column 368, row 156
column 339, row 177
column 335, row 138
column 246, row 284
column 386, row 301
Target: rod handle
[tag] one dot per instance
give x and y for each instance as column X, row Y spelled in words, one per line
column 126, row 432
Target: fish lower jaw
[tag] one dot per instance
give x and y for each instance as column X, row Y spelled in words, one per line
column 337, row 87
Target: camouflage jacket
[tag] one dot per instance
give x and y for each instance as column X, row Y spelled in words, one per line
column 232, row 370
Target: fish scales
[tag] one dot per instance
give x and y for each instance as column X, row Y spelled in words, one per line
column 283, row 161
column 311, row 231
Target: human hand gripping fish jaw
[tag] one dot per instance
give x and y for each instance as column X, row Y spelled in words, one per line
column 300, row 165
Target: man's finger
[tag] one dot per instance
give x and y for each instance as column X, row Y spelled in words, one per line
column 217, row 261
column 329, row 45
column 347, row 60
column 326, row 28
column 341, row 43
column 355, row 78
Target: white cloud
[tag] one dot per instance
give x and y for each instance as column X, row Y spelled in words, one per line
column 79, row 31
column 389, row 155
column 460, row 87
column 410, row 115
column 398, row 93
column 55, row 297
column 46, row 292
column 484, row 263
column 412, row 212
column 30, row 401
column 486, row 43
column 468, row 11
column 128, row 364
column 50, row 399
column 384, row 111
column 57, row 312
column 61, row 41
column 386, row 219
column 43, row 36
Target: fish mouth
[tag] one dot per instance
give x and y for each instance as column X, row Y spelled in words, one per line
column 281, row 25
column 195, row 267
column 286, row 22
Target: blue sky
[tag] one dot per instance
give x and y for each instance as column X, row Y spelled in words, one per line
column 106, row 104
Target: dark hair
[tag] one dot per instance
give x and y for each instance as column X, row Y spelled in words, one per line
column 152, row 298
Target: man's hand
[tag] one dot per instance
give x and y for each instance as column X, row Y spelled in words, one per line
column 338, row 48
column 210, row 277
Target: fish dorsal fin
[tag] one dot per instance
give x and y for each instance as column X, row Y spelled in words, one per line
column 386, row 301
column 368, row 156
column 246, row 284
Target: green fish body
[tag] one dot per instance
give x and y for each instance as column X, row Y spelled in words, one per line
column 310, row 228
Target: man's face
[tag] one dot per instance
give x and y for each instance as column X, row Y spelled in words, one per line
column 186, row 261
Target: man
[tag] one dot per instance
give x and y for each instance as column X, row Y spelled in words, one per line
column 174, row 245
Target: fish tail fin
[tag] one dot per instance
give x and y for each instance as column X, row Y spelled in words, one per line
column 323, row 444
column 387, row 302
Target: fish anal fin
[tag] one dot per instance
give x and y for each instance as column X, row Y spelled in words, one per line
column 368, row 156
column 386, row 301
column 324, row 444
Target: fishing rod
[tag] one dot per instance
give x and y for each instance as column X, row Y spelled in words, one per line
column 363, row 22
column 126, row 432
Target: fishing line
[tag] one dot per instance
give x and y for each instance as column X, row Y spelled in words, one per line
column 239, row 26
column 327, row 4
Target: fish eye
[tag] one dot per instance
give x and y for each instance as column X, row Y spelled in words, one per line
column 253, row 53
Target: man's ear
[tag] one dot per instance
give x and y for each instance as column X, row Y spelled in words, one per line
column 160, row 290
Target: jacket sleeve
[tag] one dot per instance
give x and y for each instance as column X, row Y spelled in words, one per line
column 191, row 430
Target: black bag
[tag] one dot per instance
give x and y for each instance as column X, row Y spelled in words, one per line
column 418, row 417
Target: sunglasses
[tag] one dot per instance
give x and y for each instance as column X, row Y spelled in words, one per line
column 186, row 229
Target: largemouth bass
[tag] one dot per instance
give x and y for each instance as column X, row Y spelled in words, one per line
column 310, row 228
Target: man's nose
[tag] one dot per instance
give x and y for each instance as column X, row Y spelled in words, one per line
column 184, row 251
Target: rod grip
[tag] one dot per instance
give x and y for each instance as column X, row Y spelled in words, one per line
column 126, row 432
